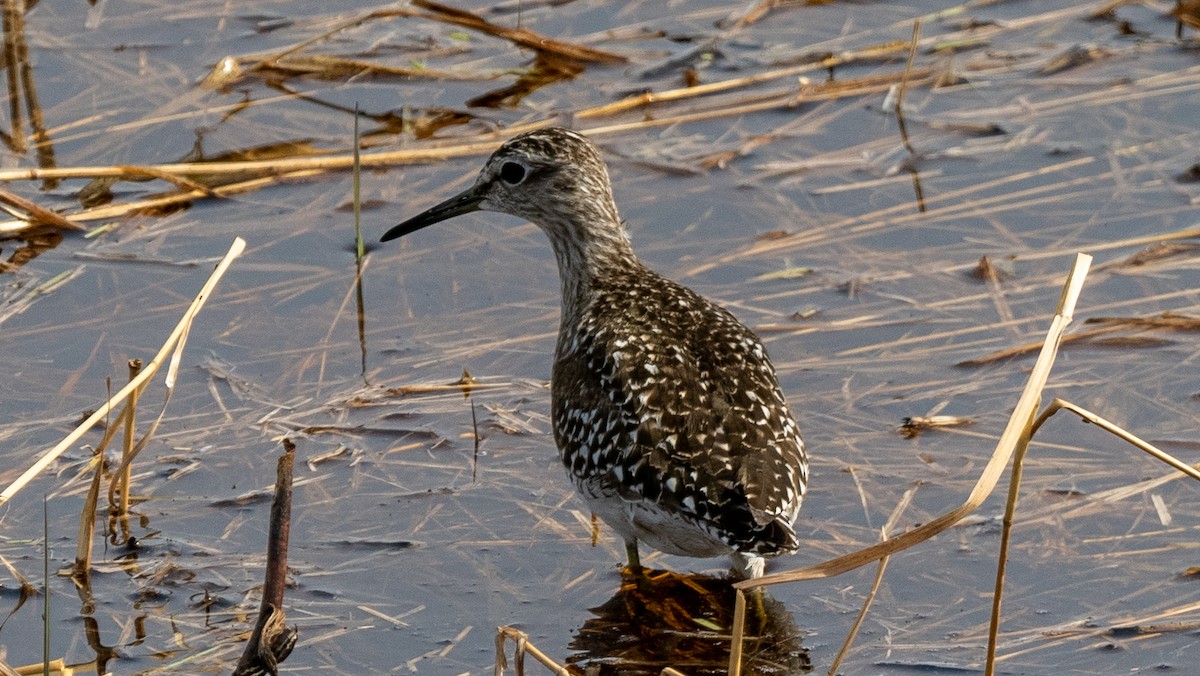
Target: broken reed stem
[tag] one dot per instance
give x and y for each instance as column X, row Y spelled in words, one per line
column 1014, row 485
column 475, row 452
column 451, row 15
column 181, row 182
column 175, row 342
column 37, row 122
column 135, row 365
column 281, row 527
column 57, row 667
column 1145, row 446
column 273, row 167
column 1018, row 424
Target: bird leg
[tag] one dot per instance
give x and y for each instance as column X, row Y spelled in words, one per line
column 747, row 565
column 631, row 551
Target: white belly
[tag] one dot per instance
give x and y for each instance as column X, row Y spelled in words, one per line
column 655, row 527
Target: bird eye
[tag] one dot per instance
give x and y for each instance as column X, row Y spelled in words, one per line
column 512, row 173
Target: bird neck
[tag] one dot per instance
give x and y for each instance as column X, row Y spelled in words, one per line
column 590, row 246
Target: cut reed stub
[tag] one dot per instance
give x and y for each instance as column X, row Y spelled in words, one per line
column 272, row 640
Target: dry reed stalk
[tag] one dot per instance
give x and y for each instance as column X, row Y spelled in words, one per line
column 446, row 14
column 87, row 521
column 934, row 337
column 908, row 66
column 862, row 614
column 754, row 13
column 1010, row 508
column 648, row 98
column 39, row 216
column 518, row 36
column 1018, row 350
column 182, row 182
column 135, row 365
column 272, row 167
column 1128, row 437
column 173, row 347
column 114, row 210
column 335, row 67
column 1016, row 430
column 21, row 85
column 354, row 291
column 87, row 515
column 905, row 501
column 843, row 57
column 12, row 21
column 1167, row 321
column 522, row 646
column 823, row 91
column 276, row 167
column 174, row 199
column 57, row 667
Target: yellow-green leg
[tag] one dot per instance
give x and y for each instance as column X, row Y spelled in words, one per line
column 631, row 551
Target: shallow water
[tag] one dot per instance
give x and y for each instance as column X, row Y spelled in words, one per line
column 410, row 523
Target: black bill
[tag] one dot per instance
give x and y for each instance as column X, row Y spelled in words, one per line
column 463, row 203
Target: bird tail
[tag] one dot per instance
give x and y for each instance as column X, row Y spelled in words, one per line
column 778, row 537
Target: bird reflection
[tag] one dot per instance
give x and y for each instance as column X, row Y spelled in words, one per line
column 662, row 619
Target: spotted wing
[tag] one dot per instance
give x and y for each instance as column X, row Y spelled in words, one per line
column 675, row 402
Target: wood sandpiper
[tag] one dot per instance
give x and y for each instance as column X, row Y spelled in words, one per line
column 666, row 410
